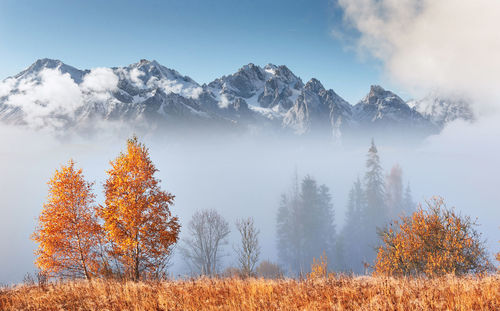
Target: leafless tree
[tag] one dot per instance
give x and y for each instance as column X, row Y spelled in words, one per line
column 249, row 250
column 208, row 233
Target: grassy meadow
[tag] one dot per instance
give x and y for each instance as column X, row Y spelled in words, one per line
column 332, row 293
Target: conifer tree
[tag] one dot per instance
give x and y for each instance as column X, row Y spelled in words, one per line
column 375, row 213
column 283, row 228
column 394, row 192
column 374, row 184
column 305, row 225
column 351, row 238
column 289, row 231
column 317, row 220
column 327, row 220
column 409, row 205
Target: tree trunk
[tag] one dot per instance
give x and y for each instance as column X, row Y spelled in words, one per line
column 84, row 265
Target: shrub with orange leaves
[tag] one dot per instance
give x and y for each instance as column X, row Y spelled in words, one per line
column 498, row 259
column 137, row 216
column 319, row 268
column 68, row 233
column 432, row 241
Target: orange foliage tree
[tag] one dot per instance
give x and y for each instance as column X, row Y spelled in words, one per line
column 68, row 233
column 434, row 241
column 319, row 268
column 498, row 259
column 137, row 216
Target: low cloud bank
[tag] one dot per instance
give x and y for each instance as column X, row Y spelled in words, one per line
column 244, row 177
column 447, row 45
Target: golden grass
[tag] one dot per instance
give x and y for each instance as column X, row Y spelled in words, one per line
column 335, row 293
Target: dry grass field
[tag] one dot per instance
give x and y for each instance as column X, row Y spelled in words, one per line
column 335, row 293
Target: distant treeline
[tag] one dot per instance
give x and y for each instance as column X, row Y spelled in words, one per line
column 306, row 219
column 133, row 234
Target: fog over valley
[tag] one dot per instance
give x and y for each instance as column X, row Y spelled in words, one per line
column 244, row 176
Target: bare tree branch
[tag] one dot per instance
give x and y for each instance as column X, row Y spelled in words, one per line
column 208, row 232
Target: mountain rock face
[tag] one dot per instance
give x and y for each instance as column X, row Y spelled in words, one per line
column 319, row 110
column 384, row 110
column 51, row 94
column 441, row 110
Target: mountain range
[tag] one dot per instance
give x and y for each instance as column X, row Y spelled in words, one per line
column 51, row 94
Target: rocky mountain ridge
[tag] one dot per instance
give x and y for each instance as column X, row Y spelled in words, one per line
column 52, row 94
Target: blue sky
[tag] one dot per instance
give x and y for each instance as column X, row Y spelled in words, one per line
column 202, row 39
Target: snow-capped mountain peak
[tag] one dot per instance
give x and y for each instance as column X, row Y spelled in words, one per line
column 383, row 109
column 52, row 94
column 378, row 95
column 441, row 110
column 46, row 63
column 314, row 85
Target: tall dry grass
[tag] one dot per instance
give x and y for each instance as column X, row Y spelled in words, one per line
column 334, row 293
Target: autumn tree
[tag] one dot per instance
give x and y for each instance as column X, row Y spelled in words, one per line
column 202, row 249
column 498, row 259
column 68, row 232
column 432, row 241
column 249, row 250
column 137, row 217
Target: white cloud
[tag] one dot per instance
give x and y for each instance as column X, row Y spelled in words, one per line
column 224, row 101
column 450, row 45
column 49, row 98
column 100, row 80
column 169, row 86
column 49, row 93
column 193, row 92
column 475, row 140
column 6, row 86
column 135, row 75
column 173, row 86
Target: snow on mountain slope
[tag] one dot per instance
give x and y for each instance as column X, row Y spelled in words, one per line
column 274, row 87
column 442, row 110
column 253, row 94
column 383, row 109
column 51, row 94
column 318, row 110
